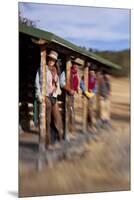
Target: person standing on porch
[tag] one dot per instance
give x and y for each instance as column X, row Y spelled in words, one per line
column 52, row 91
column 92, row 88
column 71, row 89
column 105, row 97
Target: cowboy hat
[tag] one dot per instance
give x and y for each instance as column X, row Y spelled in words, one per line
column 53, row 54
column 77, row 61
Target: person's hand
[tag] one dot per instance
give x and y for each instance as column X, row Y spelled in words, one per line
column 72, row 92
column 78, row 90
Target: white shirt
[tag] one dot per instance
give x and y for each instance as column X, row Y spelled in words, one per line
column 49, row 86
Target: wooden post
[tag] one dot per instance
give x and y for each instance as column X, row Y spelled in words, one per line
column 68, row 65
column 85, row 100
column 42, row 106
column 42, row 109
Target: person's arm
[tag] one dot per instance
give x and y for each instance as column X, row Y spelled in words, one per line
column 95, row 86
column 62, row 80
column 64, row 85
column 82, row 86
column 79, row 80
column 37, row 85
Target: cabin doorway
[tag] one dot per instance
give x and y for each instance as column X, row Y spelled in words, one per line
column 29, row 62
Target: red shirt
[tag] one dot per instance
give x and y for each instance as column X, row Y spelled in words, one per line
column 74, row 78
column 91, row 83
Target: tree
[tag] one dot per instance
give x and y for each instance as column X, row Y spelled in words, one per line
column 24, row 20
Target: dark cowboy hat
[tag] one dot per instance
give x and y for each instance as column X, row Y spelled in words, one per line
column 88, row 64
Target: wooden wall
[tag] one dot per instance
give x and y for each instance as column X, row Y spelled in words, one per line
column 29, row 61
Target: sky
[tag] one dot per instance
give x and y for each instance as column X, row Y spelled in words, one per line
column 92, row 27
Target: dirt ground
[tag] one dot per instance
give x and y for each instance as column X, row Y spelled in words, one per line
column 105, row 166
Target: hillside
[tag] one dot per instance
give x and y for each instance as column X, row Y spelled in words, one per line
column 121, row 58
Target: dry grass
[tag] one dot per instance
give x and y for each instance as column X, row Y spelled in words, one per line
column 105, row 166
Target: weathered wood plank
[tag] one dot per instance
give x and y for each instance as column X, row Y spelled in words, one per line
column 39, row 42
column 43, row 105
column 68, row 65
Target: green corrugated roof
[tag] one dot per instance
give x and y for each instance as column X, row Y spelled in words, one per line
column 58, row 40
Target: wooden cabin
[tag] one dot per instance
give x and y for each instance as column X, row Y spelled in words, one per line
column 34, row 45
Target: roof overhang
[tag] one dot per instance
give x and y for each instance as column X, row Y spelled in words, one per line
column 64, row 44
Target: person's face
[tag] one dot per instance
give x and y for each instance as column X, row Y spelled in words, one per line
column 107, row 76
column 100, row 75
column 92, row 73
column 76, row 67
column 51, row 63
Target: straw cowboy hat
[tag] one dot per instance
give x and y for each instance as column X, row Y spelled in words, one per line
column 77, row 61
column 91, row 66
column 53, row 54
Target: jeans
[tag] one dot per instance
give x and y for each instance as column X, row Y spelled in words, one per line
column 52, row 112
